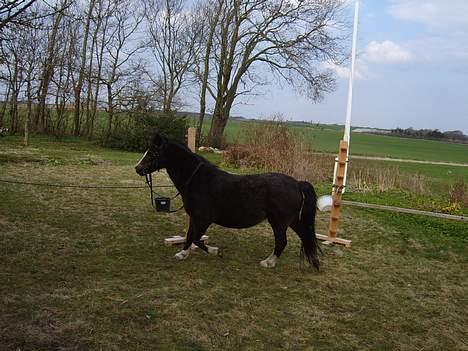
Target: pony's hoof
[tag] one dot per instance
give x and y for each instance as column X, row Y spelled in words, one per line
column 220, row 253
column 182, row 255
column 267, row 263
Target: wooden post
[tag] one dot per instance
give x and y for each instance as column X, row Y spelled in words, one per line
column 191, row 143
column 177, row 239
column 338, row 187
column 191, row 139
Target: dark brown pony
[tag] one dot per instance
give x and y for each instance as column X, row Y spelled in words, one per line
column 211, row 195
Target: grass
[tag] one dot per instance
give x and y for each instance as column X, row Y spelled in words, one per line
column 87, row 270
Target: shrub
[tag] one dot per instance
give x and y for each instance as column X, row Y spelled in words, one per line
column 272, row 146
column 458, row 192
column 136, row 135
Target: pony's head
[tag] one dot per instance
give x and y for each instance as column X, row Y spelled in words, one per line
column 154, row 158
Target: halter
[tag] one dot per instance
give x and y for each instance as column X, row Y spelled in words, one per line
column 163, row 204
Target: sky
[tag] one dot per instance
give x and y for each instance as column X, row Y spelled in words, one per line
column 412, row 71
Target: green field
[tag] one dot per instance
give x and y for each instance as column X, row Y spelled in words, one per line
column 86, row 269
column 326, row 139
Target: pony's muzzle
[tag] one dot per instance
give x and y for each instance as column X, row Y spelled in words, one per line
column 141, row 170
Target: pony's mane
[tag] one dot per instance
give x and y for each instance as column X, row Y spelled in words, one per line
column 186, row 149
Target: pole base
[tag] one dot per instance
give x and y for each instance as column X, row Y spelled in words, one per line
column 177, row 239
column 333, row 240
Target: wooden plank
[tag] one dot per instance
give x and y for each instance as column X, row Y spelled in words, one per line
column 177, row 239
column 336, row 240
column 406, row 210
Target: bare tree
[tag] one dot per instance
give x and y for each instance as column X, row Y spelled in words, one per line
column 82, row 66
column 210, row 11
column 96, row 22
column 290, row 38
column 5, row 101
column 12, row 11
column 118, row 52
column 101, row 21
column 48, row 66
column 62, row 83
column 173, row 44
column 13, row 52
column 33, row 38
column 16, row 81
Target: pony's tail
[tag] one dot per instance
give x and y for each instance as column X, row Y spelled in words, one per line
column 309, row 240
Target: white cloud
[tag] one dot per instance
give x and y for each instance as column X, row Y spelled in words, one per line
column 436, row 13
column 386, row 52
column 345, row 71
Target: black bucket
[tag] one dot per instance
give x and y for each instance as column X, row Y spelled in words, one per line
column 163, row 204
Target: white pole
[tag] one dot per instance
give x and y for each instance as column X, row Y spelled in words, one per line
column 349, row 106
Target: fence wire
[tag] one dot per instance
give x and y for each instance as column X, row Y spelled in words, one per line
column 81, row 186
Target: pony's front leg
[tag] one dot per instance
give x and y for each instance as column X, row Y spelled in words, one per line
column 195, row 232
column 280, row 243
column 185, row 252
column 270, row 261
column 212, row 250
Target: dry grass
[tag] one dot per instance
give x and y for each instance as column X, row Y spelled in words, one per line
column 458, row 192
column 363, row 177
column 273, row 146
column 87, row 270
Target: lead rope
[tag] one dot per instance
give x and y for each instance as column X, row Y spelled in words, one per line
column 149, row 182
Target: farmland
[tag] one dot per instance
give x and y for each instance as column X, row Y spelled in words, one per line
column 324, row 138
column 85, row 269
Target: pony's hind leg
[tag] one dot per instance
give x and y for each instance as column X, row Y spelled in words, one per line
column 280, row 243
column 212, row 250
column 309, row 243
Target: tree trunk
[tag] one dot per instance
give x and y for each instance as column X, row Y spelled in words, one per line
column 79, row 84
column 4, row 105
column 14, row 98
column 218, row 124
column 100, row 60
column 47, row 72
column 27, row 120
column 206, row 71
column 89, row 89
column 14, row 112
column 110, row 113
column 201, row 116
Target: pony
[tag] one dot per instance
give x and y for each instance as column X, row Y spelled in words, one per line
column 211, row 195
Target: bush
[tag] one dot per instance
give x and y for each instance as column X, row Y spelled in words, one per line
column 458, row 192
column 273, row 146
column 137, row 135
